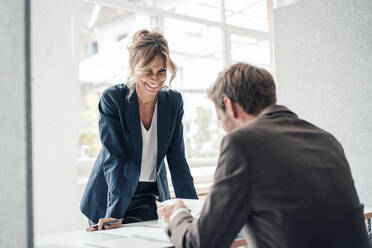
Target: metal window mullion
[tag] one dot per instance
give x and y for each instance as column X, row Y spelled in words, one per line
column 226, row 42
column 260, row 35
column 157, row 22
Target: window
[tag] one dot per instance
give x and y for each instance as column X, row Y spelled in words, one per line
column 98, row 70
column 91, row 48
column 201, row 44
column 250, row 50
column 249, row 14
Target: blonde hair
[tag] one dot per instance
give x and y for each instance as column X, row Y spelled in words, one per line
column 144, row 48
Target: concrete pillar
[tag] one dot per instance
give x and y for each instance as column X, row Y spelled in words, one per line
column 15, row 125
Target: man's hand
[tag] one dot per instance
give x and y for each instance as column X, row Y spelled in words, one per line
column 166, row 211
column 100, row 225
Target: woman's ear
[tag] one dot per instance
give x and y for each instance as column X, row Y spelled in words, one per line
column 231, row 108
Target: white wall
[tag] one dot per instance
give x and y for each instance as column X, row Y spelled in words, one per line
column 15, row 129
column 55, row 94
column 323, row 52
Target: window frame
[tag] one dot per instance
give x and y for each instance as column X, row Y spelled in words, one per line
column 157, row 16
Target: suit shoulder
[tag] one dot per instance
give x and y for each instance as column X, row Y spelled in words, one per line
column 247, row 136
column 112, row 98
column 115, row 90
column 233, row 138
column 171, row 93
column 238, row 133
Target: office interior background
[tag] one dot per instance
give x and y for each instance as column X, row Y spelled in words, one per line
column 320, row 52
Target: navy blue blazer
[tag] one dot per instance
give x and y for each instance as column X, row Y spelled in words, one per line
column 115, row 174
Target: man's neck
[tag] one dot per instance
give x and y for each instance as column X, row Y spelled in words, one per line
column 244, row 117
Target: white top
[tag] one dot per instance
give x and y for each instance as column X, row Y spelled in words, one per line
column 149, row 149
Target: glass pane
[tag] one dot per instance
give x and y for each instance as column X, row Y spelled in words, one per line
column 206, row 9
column 104, row 36
column 247, row 13
column 202, row 130
column 250, row 50
column 196, row 50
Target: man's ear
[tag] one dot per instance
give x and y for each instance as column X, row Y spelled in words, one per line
column 230, row 106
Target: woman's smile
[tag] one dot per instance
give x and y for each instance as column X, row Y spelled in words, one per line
column 152, row 85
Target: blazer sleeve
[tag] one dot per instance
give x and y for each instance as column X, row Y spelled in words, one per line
column 182, row 180
column 226, row 208
column 113, row 164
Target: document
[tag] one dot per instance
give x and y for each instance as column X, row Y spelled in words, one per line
column 151, row 232
column 131, row 242
column 131, row 235
column 194, row 205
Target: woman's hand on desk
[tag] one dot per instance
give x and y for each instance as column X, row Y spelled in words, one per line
column 110, row 224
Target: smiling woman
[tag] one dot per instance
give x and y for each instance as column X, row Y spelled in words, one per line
column 140, row 123
column 149, row 54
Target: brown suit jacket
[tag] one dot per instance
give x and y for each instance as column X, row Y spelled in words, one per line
column 285, row 179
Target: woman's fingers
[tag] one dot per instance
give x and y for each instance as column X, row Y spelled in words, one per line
column 91, row 229
column 101, row 225
column 102, row 221
column 111, row 226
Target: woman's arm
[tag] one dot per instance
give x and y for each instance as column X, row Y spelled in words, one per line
column 111, row 136
column 182, row 180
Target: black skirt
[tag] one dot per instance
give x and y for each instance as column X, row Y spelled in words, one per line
column 143, row 204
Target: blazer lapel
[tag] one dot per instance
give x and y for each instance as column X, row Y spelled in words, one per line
column 164, row 119
column 132, row 118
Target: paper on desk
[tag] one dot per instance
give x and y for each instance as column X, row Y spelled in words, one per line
column 114, row 238
column 127, row 242
column 140, row 231
column 75, row 239
column 194, row 205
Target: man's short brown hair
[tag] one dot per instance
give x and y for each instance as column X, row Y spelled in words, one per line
column 253, row 88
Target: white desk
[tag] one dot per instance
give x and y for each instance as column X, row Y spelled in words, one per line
column 148, row 234
column 142, row 235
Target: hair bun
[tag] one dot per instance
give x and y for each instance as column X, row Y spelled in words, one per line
column 139, row 33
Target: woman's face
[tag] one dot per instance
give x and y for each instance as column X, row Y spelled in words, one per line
column 154, row 78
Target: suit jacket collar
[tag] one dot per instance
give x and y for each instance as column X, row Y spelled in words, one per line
column 132, row 118
column 275, row 109
column 164, row 121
